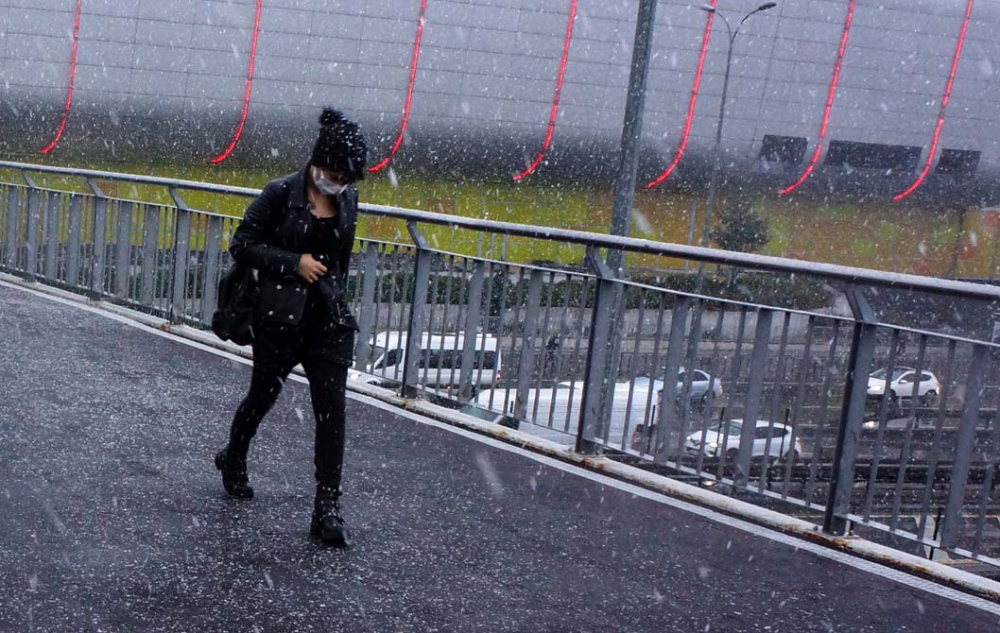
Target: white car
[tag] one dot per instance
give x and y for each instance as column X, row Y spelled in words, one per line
column 904, row 384
column 725, row 440
column 701, row 383
column 561, row 403
column 635, row 404
column 559, row 407
column 440, row 362
column 698, row 395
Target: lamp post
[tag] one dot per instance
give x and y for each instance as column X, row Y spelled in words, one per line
column 635, row 100
column 713, row 182
column 624, row 196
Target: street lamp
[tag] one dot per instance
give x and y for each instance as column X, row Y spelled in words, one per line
column 716, row 158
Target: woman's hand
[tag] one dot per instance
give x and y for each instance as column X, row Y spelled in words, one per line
column 310, row 269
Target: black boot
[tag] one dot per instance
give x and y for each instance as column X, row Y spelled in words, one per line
column 234, row 474
column 327, row 523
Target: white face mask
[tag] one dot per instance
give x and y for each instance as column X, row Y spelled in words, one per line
column 328, row 187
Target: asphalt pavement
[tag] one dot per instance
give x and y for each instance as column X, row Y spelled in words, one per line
column 113, row 519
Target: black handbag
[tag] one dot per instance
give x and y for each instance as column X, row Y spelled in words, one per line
column 238, row 295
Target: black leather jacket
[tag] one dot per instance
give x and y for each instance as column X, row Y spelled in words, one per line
column 273, row 236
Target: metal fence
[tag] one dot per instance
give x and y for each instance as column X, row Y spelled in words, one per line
column 888, row 430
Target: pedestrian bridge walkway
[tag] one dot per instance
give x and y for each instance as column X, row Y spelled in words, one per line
column 113, row 518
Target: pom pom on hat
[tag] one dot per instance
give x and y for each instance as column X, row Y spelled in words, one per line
column 331, row 116
column 341, row 145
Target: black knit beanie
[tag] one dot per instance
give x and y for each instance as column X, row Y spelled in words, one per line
column 340, row 146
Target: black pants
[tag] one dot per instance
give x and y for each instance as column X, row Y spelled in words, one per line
column 325, row 350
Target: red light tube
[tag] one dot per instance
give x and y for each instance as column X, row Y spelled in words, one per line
column 72, row 74
column 691, row 104
column 555, row 99
column 944, row 106
column 829, row 104
column 409, row 92
column 246, row 93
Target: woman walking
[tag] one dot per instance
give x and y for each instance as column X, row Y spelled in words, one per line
column 298, row 234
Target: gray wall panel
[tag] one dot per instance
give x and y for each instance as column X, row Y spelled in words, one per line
column 219, row 38
column 289, row 21
column 98, row 53
column 393, row 77
column 307, row 5
column 224, row 13
column 100, row 27
column 38, row 22
column 326, row 73
column 336, row 25
column 172, row 58
column 391, row 30
column 37, row 74
column 480, row 16
column 210, row 62
column 441, row 82
column 42, row 48
column 220, row 88
column 394, row 55
column 125, row 8
column 159, row 33
column 157, row 82
column 333, row 49
column 175, row 11
column 103, row 79
column 51, row 5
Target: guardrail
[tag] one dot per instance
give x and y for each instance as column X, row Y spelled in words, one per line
column 771, row 403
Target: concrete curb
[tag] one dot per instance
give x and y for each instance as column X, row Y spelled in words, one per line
column 955, row 578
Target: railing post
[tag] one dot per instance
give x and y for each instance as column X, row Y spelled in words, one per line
column 12, row 208
column 31, row 239
column 50, row 232
column 666, row 414
column 755, row 391
column 182, row 237
column 594, row 414
column 852, row 413
column 369, row 309
column 529, row 327
column 150, row 243
column 123, row 249
column 471, row 330
column 210, row 268
column 952, row 529
column 418, row 313
column 100, row 254
column 75, row 238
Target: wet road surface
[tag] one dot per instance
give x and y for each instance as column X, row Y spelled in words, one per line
column 112, row 518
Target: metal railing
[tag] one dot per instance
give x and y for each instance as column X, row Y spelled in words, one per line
column 777, row 405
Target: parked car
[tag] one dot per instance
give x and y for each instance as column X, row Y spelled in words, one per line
column 440, row 360
column 724, row 441
column 904, row 384
column 701, row 385
column 698, row 395
column 559, row 406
